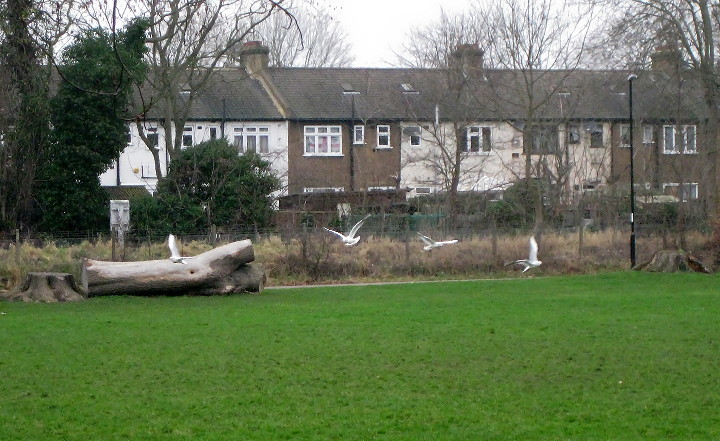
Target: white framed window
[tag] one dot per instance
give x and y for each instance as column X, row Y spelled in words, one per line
column 187, row 137
column 383, row 137
column 682, row 142
column 685, row 192
column 323, row 141
column 323, row 189
column 413, row 134
column 479, row 139
column 252, row 139
column 648, row 134
column 625, row 135
column 381, row 188
column 147, row 171
column 359, row 134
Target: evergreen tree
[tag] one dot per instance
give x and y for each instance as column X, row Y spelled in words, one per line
column 210, row 184
column 89, row 126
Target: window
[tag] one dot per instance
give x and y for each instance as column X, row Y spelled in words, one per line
column 213, row 132
column 544, row 140
column 407, row 88
column 683, row 142
column 323, row 189
column 383, row 137
column 187, row 139
column 685, row 192
column 478, row 139
column 648, row 134
column 625, row 135
column 414, row 133
column 359, row 135
column 252, row 139
column 323, row 141
column 152, row 136
column 574, row 134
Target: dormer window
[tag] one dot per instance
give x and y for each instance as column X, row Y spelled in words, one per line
column 407, row 88
column 348, row 89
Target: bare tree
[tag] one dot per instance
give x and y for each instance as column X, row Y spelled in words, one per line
column 690, row 26
column 432, row 45
column 189, row 42
column 308, row 38
column 542, row 45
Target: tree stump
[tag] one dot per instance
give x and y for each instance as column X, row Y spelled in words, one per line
column 223, row 270
column 46, row 287
column 671, row 261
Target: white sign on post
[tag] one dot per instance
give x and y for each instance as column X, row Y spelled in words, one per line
column 119, row 219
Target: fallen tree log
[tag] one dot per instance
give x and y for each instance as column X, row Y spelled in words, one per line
column 671, row 261
column 45, row 287
column 223, row 270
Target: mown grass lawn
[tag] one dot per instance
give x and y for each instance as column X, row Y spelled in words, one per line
column 622, row 356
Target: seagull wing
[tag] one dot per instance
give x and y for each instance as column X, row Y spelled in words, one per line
column 340, row 235
column 173, row 247
column 426, row 239
column 532, row 257
column 357, row 226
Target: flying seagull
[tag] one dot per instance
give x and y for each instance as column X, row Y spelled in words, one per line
column 349, row 239
column 430, row 244
column 531, row 261
column 174, row 253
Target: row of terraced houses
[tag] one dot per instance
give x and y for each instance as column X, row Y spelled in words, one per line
column 377, row 129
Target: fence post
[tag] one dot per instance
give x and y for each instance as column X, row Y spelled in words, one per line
column 493, row 231
column 407, row 241
column 581, row 233
column 17, row 245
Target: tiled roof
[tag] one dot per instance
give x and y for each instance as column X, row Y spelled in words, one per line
column 245, row 99
column 317, row 94
column 126, row 192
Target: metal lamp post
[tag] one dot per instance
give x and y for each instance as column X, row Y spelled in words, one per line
column 632, row 173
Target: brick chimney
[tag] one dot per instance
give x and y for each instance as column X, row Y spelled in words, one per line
column 255, row 56
column 468, row 60
column 667, row 59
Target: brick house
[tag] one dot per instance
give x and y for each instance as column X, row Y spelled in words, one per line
column 362, row 129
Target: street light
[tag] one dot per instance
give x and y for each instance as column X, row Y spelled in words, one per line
column 632, row 173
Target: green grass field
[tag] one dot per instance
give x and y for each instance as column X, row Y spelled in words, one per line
column 621, row 356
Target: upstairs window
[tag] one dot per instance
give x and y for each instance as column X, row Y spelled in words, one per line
column 252, row 139
column 625, row 135
column 323, row 141
column 574, row 134
column 648, row 134
column 187, row 139
column 679, row 139
column 383, row 137
column 359, row 135
column 479, row 139
column 414, row 134
column 544, row 140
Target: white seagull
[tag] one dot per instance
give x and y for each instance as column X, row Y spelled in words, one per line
column 531, row 261
column 174, row 253
column 349, row 239
column 430, row 244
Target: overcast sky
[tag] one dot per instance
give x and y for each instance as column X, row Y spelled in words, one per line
column 376, row 27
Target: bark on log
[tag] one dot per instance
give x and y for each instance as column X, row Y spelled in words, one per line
column 223, row 270
column 671, row 261
column 46, row 287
